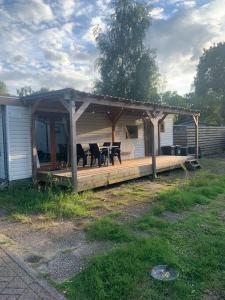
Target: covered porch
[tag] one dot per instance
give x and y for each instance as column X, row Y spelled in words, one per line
column 68, row 107
column 90, row 178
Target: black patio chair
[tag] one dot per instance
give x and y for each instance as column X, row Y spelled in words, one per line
column 116, row 152
column 106, row 144
column 81, row 154
column 106, row 149
column 97, row 154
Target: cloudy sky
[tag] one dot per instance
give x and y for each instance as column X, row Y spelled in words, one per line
column 50, row 43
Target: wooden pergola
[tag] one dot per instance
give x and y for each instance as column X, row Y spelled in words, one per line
column 75, row 103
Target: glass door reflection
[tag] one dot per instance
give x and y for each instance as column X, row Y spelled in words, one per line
column 43, row 140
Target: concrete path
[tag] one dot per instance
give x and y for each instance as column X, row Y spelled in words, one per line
column 17, row 282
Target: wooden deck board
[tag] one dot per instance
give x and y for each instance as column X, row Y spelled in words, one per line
column 89, row 178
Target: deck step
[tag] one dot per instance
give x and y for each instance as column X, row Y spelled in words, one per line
column 192, row 164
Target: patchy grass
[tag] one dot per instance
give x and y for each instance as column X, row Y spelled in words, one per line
column 22, row 218
column 20, row 201
column 106, row 229
column 195, row 245
column 115, row 275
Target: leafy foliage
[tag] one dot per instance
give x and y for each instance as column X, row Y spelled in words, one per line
column 174, row 99
column 127, row 68
column 210, row 84
column 3, row 89
column 27, row 90
column 211, row 106
column 211, row 71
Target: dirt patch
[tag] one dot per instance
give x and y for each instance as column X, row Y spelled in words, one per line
column 57, row 249
column 222, row 215
column 173, row 217
column 34, row 259
column 212, row 295
column 72, row 261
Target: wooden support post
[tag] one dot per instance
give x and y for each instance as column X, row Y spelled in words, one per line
column 34, row 155
column 155, row 143
column 114, row 119
column 73, row 145
column 196, row 121
column 33, row 148
column 159, row 140
column 113, row 132
column 154, row 118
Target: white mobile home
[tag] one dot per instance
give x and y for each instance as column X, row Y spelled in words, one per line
column 40, row 131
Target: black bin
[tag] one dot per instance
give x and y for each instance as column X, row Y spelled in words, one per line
column 184, row 151
column 177, row 150
column 168, row 150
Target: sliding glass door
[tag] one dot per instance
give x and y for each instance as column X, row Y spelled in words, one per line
column 52, row 135
column 43, row 138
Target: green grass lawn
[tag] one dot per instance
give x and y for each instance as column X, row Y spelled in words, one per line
column 195, row 245
column 22, row 201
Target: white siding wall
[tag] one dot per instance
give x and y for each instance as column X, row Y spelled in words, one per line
column 166, row 138
column 94, row 128
column 97, row 128
column 18, row 124
column 130, row 148
column 2, row 165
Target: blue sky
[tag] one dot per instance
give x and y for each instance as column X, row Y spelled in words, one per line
column 50, row 43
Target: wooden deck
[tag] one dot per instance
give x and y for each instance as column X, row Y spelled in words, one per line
column 89, row 178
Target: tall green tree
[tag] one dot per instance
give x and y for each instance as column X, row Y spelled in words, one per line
column 127, row 68
column 27, row 90
column 3, row 89
column 174, row 99
column 210, row 85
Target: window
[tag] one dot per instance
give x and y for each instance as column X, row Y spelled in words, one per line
column 131, row 132
column 162, row 127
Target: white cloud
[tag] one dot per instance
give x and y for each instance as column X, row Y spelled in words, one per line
column 45, row 54
column 103, row 4
column 97, row 23
column 68, row 7
column 32, row 11
column 184, row 3
column 157, row 13
column 180, row 40
column 83, row 9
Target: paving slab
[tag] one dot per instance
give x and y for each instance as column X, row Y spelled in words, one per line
column 18, row 282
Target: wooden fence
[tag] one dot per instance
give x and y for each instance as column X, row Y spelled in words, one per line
column 211, row 138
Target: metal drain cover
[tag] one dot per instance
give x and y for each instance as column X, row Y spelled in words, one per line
column 164, row 273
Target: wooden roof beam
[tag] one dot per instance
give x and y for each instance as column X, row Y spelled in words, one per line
column 81, row 110
column 138, row 106
column 6, row 100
